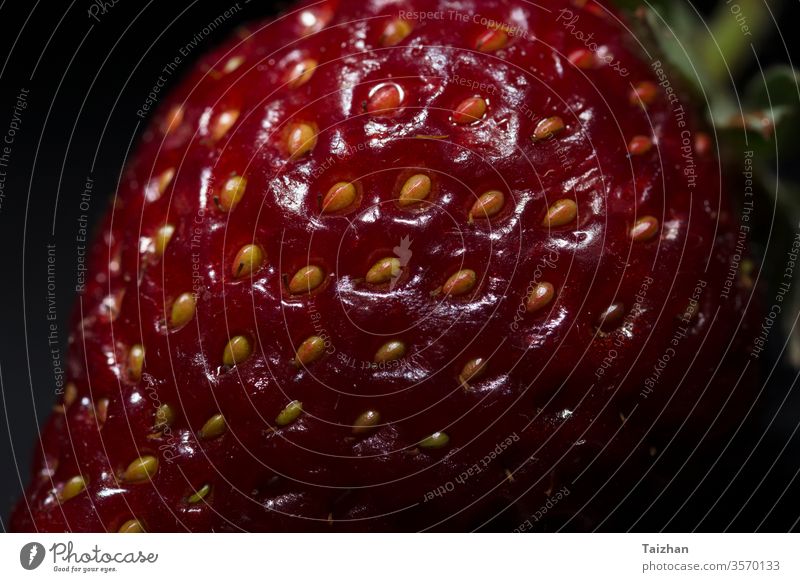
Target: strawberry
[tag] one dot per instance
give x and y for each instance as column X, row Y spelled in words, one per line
column 400, row 266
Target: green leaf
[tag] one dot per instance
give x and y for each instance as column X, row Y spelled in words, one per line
column 780, row 85
column 672, row 27
column 770, row 115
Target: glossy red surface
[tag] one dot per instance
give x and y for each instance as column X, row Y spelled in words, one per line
column 550, row 400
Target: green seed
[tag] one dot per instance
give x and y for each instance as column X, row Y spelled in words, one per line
column 141, row 469
column 135, row 362
column 436, row 441
column 289, row 414
column 391, row 350
column 237, row 351
column 200, row 494
column 366, row 421
column 310, row 351
column 131, row 526
column 472, row 370
column 340, row 196
column 183, row 309
column 73, row 487
column 306, row 280
column 165, row 416
column 415, row 189
column 162, row 239
column 383, row 271
column 247, row 261
column 232, row 193
column 213, row 427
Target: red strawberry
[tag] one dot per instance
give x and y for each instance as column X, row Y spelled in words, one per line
column 378, row 270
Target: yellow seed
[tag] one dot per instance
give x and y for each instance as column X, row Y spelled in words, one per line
column 702, row 143
column 366, row 421
column 200, row 494
column 141, row 469
column 110, row 305
column 131, row 526
column 135, row 362
column 436, row 441
column 469, row 110
column 540, row 297
column 159, row 185
column 101, row 410
column 548, row 127
column 164, row 417
column 487, row 205
column 639, row 145
column 162, row 239
column 223, row 123
column 384, row 100
column 583, row 59
column 173, row 119
column 247, row 261
column 182, row 310
column 301, row 73
column 289, row 414
column 644, row 93
column 644, row 229
column 395, row 31
column 391, row 350
column 301, row 140
column 213, row 427
column 340, row 196
column 231, row 193
column 310, row 350
column 237, row 351
column 314, row 20
column 611, row 317
column 233, row 64
column 560, row 213
column 73, row 487
column 472, row 370
column 491, row 40
column 70, row 393
column 384, row 271
column 460, row 283
column 416, row 188
column 307, row 279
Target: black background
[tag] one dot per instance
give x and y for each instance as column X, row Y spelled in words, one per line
column 86, row 80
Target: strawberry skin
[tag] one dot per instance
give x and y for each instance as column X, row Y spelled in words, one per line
column 368, row 271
